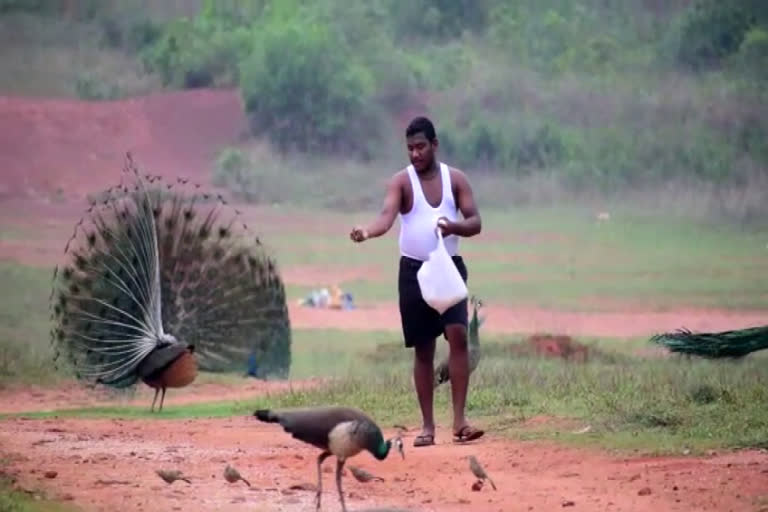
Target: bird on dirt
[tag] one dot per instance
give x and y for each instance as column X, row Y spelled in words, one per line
column 340, row 431
column 232, row 475
column 442, row 373
column 363, row 476
column 478, row 471
column 171, row 475
column 162, row 280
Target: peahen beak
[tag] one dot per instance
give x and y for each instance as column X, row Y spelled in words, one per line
column 399, row 446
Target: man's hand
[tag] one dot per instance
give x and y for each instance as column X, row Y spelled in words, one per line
column 358, row 234
column 445, row 226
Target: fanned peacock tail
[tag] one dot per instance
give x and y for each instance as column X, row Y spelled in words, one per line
column 733, row 343
column 154, row 263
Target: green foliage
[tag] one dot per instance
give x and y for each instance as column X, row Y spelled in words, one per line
column 752, row 58
column 713, row 30
column 198, row 53
column 304, row 89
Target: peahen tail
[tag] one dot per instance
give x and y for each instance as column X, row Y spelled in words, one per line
column 733, row 343
column 442, row 374
column 155, row 264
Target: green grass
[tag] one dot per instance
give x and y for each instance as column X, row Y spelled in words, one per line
column 564, row 259
column 25, row 353
column 12, row 500
column 629, row 402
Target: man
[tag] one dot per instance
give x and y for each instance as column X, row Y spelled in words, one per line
column 428, row 194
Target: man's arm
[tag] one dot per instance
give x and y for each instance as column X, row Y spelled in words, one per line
column 471, row 224
column 387, row 215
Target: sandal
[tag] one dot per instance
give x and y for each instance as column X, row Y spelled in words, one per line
column 467, row 433
column 424, row 440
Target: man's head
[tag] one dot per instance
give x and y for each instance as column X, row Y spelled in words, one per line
column 421, row 141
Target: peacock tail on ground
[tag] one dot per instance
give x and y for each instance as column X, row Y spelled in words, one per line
column 153, row 263
column 732, row 343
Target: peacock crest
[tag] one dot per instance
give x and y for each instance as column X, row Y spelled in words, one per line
column 152, row 265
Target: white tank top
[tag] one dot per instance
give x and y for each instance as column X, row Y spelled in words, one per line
column 417, row 227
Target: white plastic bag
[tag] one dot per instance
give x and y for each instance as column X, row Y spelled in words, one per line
column 439, row 279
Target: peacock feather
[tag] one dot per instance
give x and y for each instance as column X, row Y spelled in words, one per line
column 154, row 268
column 732, row 343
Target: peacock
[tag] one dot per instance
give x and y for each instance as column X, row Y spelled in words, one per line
column 340, row 431
column 724, row 344
column 442, row 373
column 162, row 280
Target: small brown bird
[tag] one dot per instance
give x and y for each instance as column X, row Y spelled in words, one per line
column 478, row 470
column 171, row 475
column 232, row 475
column 362, row 475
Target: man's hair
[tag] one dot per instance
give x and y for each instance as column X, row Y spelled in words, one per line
column 421, row 125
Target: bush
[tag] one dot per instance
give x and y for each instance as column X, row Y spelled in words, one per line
column 305, row 90
column 198, row 53
column 712, row 30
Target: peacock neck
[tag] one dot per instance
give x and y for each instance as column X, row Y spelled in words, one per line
column 382, row 450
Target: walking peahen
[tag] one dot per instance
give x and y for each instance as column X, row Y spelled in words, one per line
column 442, row 373
column 340, row 431
column 162, row 280
column 731, row 344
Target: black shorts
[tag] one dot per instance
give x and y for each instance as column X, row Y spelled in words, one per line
column 419, row 321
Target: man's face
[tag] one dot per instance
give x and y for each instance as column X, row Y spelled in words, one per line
column 421, row 152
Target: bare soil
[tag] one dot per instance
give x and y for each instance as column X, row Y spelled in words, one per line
column 105, row 465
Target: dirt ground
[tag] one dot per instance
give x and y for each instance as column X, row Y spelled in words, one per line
column 54, row 152
column 105, row 465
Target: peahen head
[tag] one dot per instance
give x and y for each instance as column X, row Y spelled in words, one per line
column 475, row 322
column 380, row 448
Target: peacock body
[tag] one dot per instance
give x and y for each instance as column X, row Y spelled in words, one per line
column 163, row 279
column 724, row 344
column 442, row 373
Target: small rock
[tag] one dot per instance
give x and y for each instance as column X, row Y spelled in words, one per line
column 674, row 487
column 645, row 491
column 477, row 485
column 634, row 477
column 569, row 503
column 66, row 497
column 464, row 501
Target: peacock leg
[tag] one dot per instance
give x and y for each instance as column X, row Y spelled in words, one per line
column 157, row 390
column 320, row 460
column 162, row 398
column 339, row 467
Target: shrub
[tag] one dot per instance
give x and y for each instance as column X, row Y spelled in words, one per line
column 304, row 89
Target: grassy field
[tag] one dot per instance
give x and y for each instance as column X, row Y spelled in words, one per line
column 627, row 402
column 554, row 258
column 560, row 258
column 17, row 501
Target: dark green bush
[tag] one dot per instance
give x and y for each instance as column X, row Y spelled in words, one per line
column 712, row 30
column 304, row 89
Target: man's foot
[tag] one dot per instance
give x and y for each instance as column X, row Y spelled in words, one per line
column 424, row 439
column 467, row 433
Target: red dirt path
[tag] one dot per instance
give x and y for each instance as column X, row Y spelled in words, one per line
column 109, row 465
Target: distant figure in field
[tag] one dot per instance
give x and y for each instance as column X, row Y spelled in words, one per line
column 428, row 195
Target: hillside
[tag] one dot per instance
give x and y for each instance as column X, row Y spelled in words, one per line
column 60, row 146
